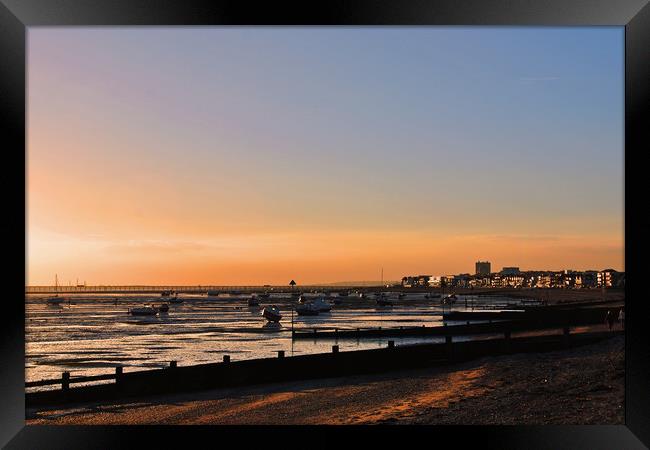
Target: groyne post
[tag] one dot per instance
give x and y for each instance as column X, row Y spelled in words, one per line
column 566, row 336
column 173, row 364
column 118, row 374
column 280, row 353
column 335, row 348
column 65, row 381
column 449, row 346
column 506, row 341
column 391, row 344
column 226, row 358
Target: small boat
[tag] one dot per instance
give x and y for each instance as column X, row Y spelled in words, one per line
column 143, row 311
column 308, row 309
column 253, row 301
column 272, row 313
column 382, row 300
column 175, row 299
column 362, row 295
column 213, row 293
column 321, row 305
column 302, row 300
column 55, row 299
column 165, row 293
column 344, row 294
column 163, row 308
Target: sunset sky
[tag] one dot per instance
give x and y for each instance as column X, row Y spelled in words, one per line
column 251, row 155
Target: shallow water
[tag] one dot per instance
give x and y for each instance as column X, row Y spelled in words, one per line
column 91, row 334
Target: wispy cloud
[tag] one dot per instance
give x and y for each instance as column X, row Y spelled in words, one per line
column 155, row 246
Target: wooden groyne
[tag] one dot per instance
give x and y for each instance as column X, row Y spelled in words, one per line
column 545, row 314
column 452, row 330
column 497, row 322
column 228, row 373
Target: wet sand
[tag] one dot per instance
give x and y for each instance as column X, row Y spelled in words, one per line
column 579, row 386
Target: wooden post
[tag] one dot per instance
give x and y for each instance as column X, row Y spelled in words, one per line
column 506, row 343
column 65, row 381
column 226, row 358
column 280, row 353
column 566, row 333
column 118, row 374
column 335, row 348
column 172, row 364
column 391, row 344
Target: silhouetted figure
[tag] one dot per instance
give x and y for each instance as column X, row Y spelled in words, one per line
column 621, row 317
column 610, row 319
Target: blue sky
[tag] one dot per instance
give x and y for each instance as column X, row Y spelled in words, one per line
column 498, row 130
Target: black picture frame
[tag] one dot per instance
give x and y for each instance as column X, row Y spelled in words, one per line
column 17, row 15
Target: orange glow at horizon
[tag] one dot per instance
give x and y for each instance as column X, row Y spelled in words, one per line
column 306, row 257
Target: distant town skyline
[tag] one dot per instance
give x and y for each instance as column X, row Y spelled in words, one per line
column 259, row 155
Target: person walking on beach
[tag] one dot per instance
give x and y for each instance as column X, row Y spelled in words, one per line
column 610, row 319
column 621, row 317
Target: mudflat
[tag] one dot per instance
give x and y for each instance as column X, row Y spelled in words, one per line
column 584, row 385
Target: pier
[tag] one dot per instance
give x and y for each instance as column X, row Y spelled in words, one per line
column 202, row 289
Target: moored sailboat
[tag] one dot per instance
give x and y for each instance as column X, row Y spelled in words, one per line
column 55, row 299
column 308, row 309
